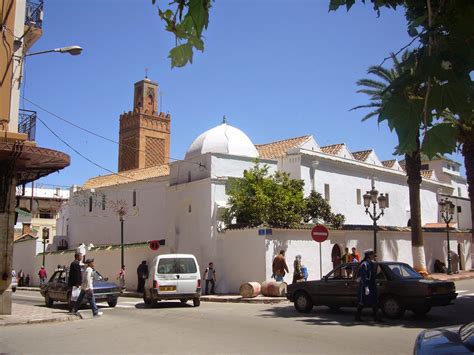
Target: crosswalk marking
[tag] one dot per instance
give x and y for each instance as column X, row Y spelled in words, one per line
column 462, row 291
column 466, row 295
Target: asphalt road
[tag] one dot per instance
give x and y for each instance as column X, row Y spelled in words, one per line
column 227, row 328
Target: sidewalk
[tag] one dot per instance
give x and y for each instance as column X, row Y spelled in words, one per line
column 462, row 275
column 25, row 314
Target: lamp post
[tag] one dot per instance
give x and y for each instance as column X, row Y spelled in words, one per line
column 447, row 213
column 121, row 212
column 373, row 197
column 72, row 50
column 45, row 237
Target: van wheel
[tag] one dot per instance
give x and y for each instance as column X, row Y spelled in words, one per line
column 196, row 302
column 146, row 299
column 47, row 300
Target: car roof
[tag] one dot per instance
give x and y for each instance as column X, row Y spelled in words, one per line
column 172, row 256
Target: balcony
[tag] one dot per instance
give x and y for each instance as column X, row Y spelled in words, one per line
column 34, row 14
column 27, row 123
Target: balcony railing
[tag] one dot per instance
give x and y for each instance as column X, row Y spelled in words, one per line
column 27, row 123
column 34, row 14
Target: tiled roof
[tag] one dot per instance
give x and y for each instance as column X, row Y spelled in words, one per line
column 125, row 177
column 279, row 148
column 362, row 155
column 427, row 174
column 389, row 163
column 332, row 149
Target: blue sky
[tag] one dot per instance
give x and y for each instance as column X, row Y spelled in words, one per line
column 277, row 69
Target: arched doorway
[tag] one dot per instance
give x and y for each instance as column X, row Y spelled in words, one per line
column 336, row 255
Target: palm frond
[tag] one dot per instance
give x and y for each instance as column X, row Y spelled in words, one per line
column 371, row 84
column 376, row 93
column 371, row 105
column 381, row 72
column 370, row 115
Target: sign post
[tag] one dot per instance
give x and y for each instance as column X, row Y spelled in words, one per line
column 319, row 234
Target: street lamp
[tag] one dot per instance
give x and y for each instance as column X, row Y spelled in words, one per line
column 121, row 212
column 45, row 237
column 72, row 50
column 447, row 213
column 373, row 197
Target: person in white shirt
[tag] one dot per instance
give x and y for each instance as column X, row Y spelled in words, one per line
column 87, row 289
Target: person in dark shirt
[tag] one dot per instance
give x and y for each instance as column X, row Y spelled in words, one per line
column 75, row 276
column 142, row 274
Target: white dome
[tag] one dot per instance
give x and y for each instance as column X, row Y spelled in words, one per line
column 222, row 139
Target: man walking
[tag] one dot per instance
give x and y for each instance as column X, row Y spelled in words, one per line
column 42, row 275
column 367, row 295
column 279, row 266
column 142, row 274
column 87, row 289
column 75, row 279
column 210, row 277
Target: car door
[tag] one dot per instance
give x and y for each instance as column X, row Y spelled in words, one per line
column 187, row 275
column 333, row 288
column 354, row 284
column 52, row 287
column 62, row 287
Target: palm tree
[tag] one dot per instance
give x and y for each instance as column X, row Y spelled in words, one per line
column 376, row 90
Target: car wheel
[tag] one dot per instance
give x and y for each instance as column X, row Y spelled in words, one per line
column 196, row 302
column 112, row 303
column 334, row 308
column 392, row 308
column 47, row 300
column 303, row 302
column 182, row 300
column 421, row 311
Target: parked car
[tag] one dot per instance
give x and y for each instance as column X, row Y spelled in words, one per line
column 173, row 276
column 57, row 289
column 14, row 283
column 447, row 340
column 399, row 288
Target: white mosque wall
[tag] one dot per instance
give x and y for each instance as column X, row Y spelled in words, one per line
column 234, row 166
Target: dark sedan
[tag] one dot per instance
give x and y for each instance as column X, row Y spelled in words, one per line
column 399, row 288
column 57, row 289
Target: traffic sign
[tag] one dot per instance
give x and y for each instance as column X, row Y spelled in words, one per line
column 154, row 244
column 319, row 233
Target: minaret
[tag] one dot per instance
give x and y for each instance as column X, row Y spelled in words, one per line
column 144, row 132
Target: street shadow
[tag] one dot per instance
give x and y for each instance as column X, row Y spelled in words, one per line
column 461, row 312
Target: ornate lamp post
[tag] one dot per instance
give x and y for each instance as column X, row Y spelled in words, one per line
column 447, row 213
column 121, row 213
column 45, row 237
column 373, row 197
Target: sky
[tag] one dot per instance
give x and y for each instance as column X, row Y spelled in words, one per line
column 276, row 69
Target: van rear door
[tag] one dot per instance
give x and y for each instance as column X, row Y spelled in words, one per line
column 187, row 274
column 166, row 276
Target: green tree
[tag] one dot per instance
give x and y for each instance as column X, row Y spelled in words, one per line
column 318, row 209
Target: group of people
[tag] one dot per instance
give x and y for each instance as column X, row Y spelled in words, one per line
column 21, row 279
column 367, row 293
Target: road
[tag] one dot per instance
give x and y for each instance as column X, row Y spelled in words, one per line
column 227, row 328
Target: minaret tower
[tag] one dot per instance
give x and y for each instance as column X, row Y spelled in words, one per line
column 144, row 132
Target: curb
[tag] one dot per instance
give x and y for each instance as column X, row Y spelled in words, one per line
column 40, row 320
column 246, row 300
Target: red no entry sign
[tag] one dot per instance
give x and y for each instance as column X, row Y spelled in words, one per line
column 319, row 233
column 154, row 244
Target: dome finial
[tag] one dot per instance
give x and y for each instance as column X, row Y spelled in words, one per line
column 224, row 119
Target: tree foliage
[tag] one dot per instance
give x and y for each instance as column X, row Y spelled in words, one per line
column 186, row 19
column 275, row 200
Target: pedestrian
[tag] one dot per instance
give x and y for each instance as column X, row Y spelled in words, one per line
column 367, row 295
column 87, row 289
column 121, row 278
column 21, row 278
column 42, row 275
column 13, row 273
column 27, row 280
column 210, row 277
column 346, row 257
column 279, row 266
column 75, row 279
column 142, row 274
column 355, row 255
column 297, row 272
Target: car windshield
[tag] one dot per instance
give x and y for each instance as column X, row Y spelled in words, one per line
column 97, row 276
column 177, row 266
column 403, row 271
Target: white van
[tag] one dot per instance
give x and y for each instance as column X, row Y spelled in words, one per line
column 173, row 276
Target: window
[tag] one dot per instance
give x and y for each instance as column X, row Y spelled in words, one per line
column 388, row 200
column 358, row 196
column 134, row 198
column 177, row 266
column 459, row 209
column 326, row 192
column 401, row 271
column 90, row 204
column 459, row 191
column 103, row 202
